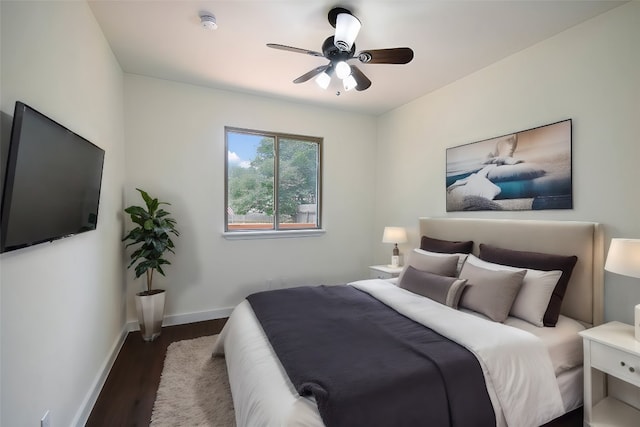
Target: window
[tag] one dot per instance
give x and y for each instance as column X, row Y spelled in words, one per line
column 273, row 181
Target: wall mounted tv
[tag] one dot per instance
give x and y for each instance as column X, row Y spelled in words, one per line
column 52, row 182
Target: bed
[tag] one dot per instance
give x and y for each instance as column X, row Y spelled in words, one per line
column 264, row 395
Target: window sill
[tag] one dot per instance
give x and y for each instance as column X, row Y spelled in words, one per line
column 286, row 234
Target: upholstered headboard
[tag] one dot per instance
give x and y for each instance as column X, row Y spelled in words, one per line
column 584, row 296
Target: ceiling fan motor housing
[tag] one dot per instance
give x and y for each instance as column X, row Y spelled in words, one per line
column 333, row 53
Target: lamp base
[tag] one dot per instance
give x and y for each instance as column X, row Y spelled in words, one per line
column 395, row 262
column 636, row 321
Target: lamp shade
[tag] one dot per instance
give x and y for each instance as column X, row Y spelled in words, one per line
column 349, row 83
column 343, row 70
column 624, row 257
column 394, row 235
column 347, row 28
column 323, row 80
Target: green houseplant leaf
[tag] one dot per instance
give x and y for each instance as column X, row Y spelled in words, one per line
column 152, row 237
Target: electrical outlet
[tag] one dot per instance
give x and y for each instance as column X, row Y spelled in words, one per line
column 45, row 421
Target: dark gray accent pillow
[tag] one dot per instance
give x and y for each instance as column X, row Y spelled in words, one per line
column 490, row 292
column 445, row 246
column 445, row 290
column 537, row 261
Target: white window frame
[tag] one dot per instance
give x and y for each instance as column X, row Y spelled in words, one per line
column 276, row 231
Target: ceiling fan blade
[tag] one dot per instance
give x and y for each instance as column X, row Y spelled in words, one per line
column 363, row 83
column 398, row 55
column 311, row 74
column 294, row 49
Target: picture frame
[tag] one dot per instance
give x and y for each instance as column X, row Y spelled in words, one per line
column 525, row 170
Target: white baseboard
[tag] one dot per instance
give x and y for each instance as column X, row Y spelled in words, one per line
column 92, row 396
column 181, row 319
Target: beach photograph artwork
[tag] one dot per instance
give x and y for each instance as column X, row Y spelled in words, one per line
column 526, row 170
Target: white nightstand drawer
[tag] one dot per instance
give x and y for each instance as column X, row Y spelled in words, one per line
column 384, row 271
column 615, row 362
column 381, row 275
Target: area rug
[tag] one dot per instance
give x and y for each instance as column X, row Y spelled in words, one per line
column 194, row 387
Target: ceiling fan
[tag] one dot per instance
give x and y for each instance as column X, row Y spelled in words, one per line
column 340, row 48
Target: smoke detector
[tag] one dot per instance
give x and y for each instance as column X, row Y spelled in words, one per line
column 208, row 22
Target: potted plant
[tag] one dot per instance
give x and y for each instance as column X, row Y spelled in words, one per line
column 152, row 233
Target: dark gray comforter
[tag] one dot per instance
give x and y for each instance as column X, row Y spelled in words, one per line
column 368, row 365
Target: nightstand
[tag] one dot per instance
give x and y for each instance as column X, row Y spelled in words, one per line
column 384, row 271
column 609, row 349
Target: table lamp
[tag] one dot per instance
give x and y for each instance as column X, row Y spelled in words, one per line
column 394, row 235
column 624, row 258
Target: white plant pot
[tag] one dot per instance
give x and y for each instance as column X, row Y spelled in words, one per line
column 150, row 313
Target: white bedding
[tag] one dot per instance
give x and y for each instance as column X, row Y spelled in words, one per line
column 563, row 342
column 263, row 395
column 571, row 388
column 516, row 365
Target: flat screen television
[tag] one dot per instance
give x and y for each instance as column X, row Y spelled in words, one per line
column 52, row 182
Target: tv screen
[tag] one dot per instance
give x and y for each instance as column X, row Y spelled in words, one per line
column 52, row 182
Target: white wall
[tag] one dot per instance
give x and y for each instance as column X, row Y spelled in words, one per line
column 62, row 304
column 590, row 73
column 175, row 151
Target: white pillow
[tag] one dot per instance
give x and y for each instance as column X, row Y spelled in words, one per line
column 461, row 257
column 534, row 295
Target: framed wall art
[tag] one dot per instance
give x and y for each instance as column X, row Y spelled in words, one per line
column 526, row 170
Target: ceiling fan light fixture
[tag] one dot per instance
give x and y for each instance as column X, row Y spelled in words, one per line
column 347, row 28
column 343, row 70
column 323, row 80
column 349, row 83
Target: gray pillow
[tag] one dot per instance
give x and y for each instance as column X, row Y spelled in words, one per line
column 535, row 293
column 441, row 264
column 445, row 290
column 461, row 258
column 490, row 292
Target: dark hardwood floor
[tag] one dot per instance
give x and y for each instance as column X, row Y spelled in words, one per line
column 130, row 390
column 572, row 419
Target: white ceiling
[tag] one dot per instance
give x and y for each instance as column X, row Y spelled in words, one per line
column 450, row 38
